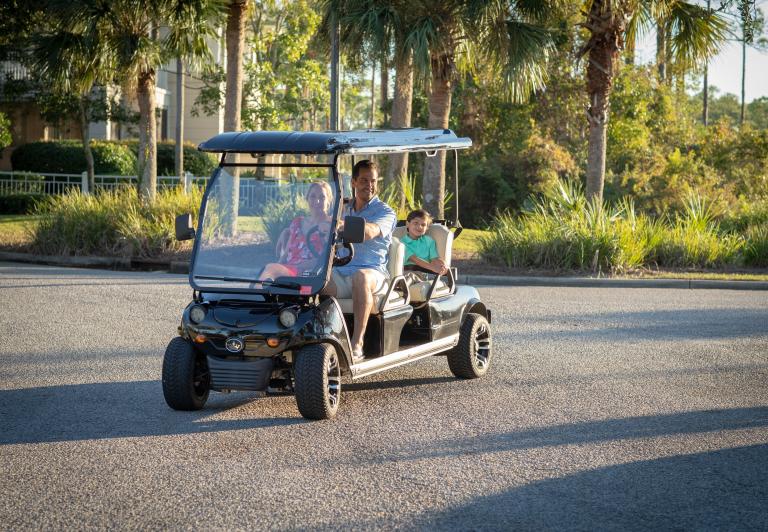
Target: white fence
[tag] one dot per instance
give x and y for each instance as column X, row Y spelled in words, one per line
column 51, row 184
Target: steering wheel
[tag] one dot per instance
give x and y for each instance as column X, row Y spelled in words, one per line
column 341, row 261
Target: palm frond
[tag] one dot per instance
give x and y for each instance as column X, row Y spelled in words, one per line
column 697, row 33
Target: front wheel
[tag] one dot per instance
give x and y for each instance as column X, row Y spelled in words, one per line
column 471, row 357
column 317, row 381
column 186, row 379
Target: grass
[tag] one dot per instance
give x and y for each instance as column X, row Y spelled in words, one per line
column 16, row 230
column 468, row 242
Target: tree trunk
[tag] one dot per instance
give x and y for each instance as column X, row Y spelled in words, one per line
column 147, row 135
column 402, row 104
column 705, row 92
column 439, row 104
column 603, row 54
column 89, row 164
column 372, row 120
column 384, row 91
column 180, row 118
column 661, row 50
column 235, row 36
column 743, row 72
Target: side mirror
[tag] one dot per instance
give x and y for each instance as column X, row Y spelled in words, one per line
column 354, row 230
column 184, row 229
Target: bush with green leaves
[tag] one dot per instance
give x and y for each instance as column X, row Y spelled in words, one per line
column 198, row 163
column 277, row 215
column 67, row 157
column 20, row 203
column 563, row 231
column 113, row 223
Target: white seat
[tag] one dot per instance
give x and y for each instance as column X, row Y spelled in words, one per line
column 443, row 238
column 395, row 259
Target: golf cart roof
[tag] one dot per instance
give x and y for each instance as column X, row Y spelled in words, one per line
column 352, row 142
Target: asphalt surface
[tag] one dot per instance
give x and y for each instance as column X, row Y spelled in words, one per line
column 605, row 408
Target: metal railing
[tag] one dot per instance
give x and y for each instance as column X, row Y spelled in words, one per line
column 52, row 184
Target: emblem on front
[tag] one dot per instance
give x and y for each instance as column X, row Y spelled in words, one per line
column 234, row 345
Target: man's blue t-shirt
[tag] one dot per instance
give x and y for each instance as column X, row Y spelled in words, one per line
column 372, row 253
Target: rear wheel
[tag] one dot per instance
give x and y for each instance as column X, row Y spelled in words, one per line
column 186, row 379
column 317, row 381
column 471, row 357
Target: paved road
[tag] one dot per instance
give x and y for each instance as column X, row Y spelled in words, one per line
column 605, row 408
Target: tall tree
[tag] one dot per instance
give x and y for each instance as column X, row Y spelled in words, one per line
column 129, row 34
column 451, row 37
column 695, row 33
column 379, row 28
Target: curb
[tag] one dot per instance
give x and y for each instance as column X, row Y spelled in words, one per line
column 499, row 280
column 182, row 267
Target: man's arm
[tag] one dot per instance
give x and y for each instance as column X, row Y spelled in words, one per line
column 372, row 230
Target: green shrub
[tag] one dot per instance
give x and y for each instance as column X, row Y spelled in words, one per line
column 278, row 215
column 20, row 203
column 563, row 231
column 67, row 157
column 198, row 163
column 113, row 223
column 755, row 250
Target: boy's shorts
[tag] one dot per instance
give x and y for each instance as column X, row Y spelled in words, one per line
column 344, row 282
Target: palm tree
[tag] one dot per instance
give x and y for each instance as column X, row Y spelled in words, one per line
column 73, row 60
column 694, row 32
column 379, row 28
column 131, row 39
column 438, row 39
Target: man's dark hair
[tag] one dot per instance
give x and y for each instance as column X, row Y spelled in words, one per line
column 365, row 163
column 419, row 213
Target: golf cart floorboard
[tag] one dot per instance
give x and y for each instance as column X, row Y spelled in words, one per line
column 398, row 358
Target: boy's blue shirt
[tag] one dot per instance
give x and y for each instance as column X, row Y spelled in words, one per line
column 423, row 247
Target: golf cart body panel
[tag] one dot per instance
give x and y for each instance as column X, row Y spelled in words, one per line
column 247, row 330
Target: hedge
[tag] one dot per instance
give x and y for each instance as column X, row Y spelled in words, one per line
column 67, row 157
column 20, row 203
column 198, row 163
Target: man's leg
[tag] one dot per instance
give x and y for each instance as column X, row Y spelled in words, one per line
column 363, row 285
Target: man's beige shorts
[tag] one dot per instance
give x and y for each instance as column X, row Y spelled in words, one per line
column 344, row 283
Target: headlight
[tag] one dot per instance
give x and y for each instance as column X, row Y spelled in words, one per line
column 288, row 317
column 197, row 314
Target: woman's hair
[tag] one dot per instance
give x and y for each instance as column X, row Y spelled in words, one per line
column 419, row 213
column 328, row 191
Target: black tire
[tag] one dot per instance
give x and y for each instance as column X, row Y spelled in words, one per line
column 186, row 379
column 471, row 357
column 317, row 381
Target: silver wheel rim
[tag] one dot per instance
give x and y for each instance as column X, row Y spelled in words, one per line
column 482, row 341
column 334, row 381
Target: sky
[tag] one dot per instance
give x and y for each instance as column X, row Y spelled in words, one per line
column 725, row 68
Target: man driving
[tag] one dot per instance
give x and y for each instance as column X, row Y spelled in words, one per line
column 366, row 273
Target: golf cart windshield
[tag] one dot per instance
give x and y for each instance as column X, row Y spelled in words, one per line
column 266, row 229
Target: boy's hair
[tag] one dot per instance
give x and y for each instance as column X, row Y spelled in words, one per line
column 365, row 163
column 419, row 213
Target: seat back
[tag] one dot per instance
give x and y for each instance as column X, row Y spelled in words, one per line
column 395, row 258
column 442, row 236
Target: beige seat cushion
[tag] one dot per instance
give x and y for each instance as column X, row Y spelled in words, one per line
column 395, row 268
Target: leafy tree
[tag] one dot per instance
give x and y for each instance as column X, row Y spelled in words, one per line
column 5, row 132
column 452, row 36
column 697, row 33
column 93, row 39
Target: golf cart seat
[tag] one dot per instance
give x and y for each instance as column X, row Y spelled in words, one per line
column 443, row 238
column 394, row 293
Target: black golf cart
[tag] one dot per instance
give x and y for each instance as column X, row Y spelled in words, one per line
column 249, row 330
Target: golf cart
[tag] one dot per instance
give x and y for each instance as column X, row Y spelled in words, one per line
column 254, row 324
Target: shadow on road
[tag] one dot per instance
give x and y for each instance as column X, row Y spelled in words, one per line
column 679, row 423
column 396, row 384
column 719, row 490
column 112, row 410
